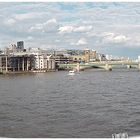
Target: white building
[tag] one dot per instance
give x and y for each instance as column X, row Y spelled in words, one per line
column 108, row 57
column 44, row 62
column 100, row 57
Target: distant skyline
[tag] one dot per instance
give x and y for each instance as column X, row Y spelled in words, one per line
column 110, row 28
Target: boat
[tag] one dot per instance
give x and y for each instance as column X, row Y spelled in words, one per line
column 71, row 72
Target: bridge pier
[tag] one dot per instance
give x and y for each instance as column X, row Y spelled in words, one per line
column 78, row 67
column 139, row 66
column 6, row 64
column 108, row 67
column 129, row 66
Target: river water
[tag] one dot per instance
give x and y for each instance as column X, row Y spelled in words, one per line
column 94, row 103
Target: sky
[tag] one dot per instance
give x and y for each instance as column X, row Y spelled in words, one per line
column 110, row 28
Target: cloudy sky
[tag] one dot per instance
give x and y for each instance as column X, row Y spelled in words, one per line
column 110, row 28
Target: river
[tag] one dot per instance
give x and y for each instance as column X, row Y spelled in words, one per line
column 94, row 103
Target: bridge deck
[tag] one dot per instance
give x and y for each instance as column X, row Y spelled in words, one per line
column 101, row 64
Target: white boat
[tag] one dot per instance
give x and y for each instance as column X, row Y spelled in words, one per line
column 71, row 72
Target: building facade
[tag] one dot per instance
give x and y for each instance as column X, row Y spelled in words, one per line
column 26, row 60
column 44, row 62
column 20, row 46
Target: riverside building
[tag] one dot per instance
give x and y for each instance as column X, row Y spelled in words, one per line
column 16, row 58
column 44, row 62
column 88, row 56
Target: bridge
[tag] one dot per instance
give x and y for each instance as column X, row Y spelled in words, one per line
column 107, row 65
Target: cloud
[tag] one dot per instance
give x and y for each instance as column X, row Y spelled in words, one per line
column 29, row 38
column 70, row 29
column 66, row 29
column 83, row 29
column 49, row 26
column 81, row 41
column 52, row 21
column 26, row 16
column 112, row 38
column 120, row 39
column 10, row 22
column 37, row 27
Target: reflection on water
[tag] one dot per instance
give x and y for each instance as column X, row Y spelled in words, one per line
column 94, row 103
